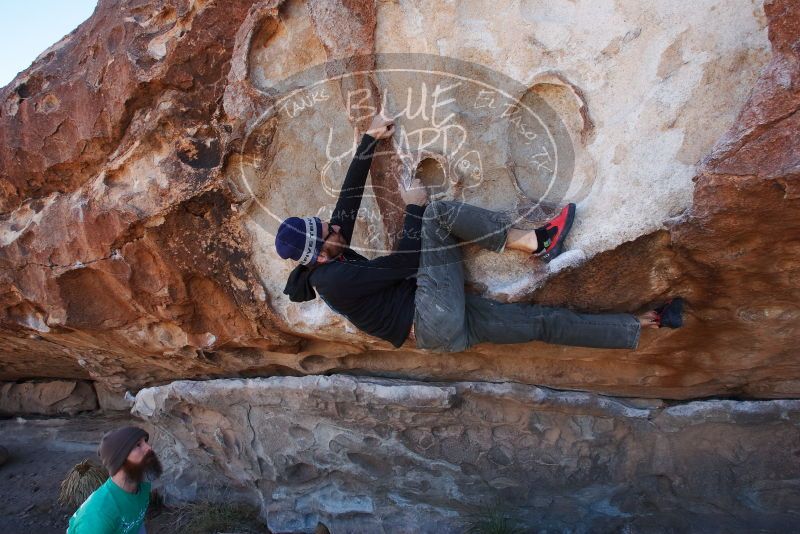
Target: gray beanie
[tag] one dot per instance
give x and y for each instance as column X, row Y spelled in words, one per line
column 117, row 444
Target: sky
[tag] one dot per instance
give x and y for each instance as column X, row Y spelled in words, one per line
column 29, row 27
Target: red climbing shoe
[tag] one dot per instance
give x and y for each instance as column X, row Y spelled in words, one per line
column 562, row 223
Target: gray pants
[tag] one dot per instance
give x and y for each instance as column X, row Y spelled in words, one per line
column 449, row 320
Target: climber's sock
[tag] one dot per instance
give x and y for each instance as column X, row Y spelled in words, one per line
column 543, row 237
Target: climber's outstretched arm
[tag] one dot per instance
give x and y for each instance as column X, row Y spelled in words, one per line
column 346, row 211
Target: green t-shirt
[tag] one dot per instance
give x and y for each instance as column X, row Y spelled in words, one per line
column 111, row 510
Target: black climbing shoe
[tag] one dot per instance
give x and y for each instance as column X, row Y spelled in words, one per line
column 671, row 313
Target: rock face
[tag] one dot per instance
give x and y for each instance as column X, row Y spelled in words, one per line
column 377, row 455
column 146, row 157
column 55, row 397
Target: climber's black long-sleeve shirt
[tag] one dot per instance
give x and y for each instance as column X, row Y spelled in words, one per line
column 376, row 295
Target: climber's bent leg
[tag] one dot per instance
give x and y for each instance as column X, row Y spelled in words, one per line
column 439, row 301
column 469, row 224
column 496, row 322
column 439, row 322
column 447, row 320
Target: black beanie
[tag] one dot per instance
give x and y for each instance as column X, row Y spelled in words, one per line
column 117, row 444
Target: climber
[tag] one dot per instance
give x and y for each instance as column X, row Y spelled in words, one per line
column 417, row 292
column 120, row 504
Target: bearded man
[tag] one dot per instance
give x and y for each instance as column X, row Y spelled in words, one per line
column 119, row 505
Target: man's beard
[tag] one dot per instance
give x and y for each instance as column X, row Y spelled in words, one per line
column 150, row 466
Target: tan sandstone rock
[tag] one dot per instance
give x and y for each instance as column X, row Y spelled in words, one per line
column 376, row 455
column 143, row 165
column 54, row 397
